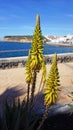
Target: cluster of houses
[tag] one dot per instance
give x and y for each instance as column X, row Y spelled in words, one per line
column 60, row 39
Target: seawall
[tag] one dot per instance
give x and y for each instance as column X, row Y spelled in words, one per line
column 21, row 61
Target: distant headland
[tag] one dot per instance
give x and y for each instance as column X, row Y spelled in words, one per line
column 50, row 39
column 17, row 38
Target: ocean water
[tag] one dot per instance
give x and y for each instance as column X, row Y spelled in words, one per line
column 16, row 49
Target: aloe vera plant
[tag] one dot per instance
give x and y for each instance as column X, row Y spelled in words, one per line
column 51, row 89
column 36, row 61
column 20, row 116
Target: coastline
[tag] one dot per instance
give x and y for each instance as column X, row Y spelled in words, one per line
column 48, row 43
column 16, row 41
column 60, row 44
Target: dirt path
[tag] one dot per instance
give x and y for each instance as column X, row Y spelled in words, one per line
column 10, row 78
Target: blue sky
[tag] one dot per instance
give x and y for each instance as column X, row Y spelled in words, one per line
column 18, row 17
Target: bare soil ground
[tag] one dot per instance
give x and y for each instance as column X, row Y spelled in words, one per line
column 15, row 78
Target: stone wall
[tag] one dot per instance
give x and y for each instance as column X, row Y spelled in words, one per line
column 65, row 57
column 12, row 62
column 21, row 61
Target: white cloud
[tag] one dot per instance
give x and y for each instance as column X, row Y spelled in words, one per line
column 10, row 17
column 70, row 15
column 27, row 27
column 3, row 18
column 56, row 28
column 15, row 16
column 18, row 27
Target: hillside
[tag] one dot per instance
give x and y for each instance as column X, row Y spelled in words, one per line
column 18, row 38
column 24, row 38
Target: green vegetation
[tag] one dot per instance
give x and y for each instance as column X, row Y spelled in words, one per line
column 51, row 89
column 36, row 60
column 15, row 117
column 18, row 38
column 20, row 116
column 52, row 84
